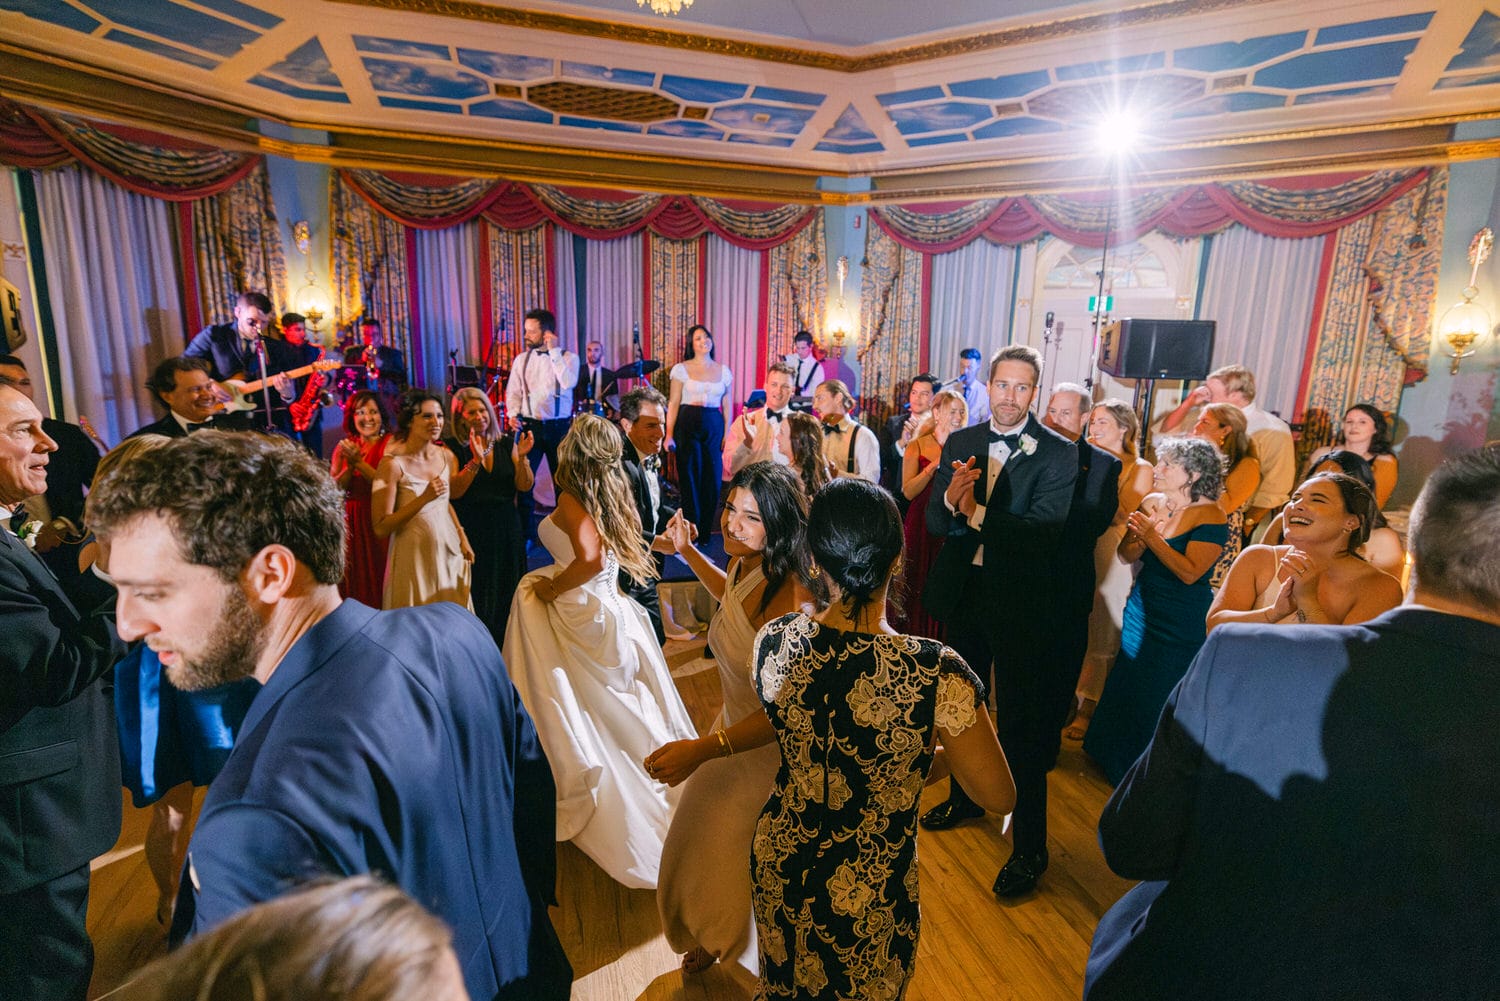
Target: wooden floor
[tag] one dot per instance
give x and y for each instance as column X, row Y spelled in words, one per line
column 972, row 945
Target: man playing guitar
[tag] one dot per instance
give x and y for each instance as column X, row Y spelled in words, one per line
column 232, row 351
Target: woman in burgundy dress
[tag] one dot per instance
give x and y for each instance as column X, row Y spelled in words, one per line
column 949, row 413
column 354, row 464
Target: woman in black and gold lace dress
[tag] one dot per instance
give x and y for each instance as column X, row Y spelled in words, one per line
column 855, row 708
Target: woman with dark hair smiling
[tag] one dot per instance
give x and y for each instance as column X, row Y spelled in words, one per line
column 704, row 893
column 429, row 555
column 696, row 417
column 1317, row 576
column 1178, row 535
column 355, row 462
column 1366, row 432
column 855, row 709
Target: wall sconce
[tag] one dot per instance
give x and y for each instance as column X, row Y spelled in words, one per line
column 1466, row 324
column 311, row 301
column 839, row 321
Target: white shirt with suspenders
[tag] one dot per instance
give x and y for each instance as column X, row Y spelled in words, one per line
column 852, row 448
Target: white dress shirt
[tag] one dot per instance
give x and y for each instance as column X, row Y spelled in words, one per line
column 809, row 375
column 837, row 444
column 999, row 454
column 977, row 396
column 738, row 450
column 653, row 485
column 541, row 384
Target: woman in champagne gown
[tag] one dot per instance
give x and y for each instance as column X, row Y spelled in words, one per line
column 429, row 556
column 704, row 893
column 586, row 664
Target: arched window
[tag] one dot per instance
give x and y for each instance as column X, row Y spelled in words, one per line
column 1133, row 266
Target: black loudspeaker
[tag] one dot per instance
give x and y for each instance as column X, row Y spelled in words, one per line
column 1157, row 349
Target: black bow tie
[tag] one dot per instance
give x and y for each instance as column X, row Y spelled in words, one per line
column 1011, row 440
column 191, row 427
column 17, row 519
column 651, row 463
column 775, row 415
column 834, row 428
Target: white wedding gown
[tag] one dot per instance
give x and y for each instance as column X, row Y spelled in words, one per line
column 591, row 675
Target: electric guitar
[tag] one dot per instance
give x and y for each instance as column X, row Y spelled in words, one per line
column 237, row 391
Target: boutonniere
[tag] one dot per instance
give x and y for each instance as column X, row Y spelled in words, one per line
column 1028, row 445
column 27, row 533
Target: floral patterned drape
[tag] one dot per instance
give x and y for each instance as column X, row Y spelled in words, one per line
column 1374, row 327
column 798, row 294
column 517, row 281
column 237, row 244
column 891, row 306
column 673, row 306
column 370, row 265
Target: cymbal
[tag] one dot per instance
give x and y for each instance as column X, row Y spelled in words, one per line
column 637, row 369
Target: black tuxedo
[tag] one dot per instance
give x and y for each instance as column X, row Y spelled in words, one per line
column 1001, row 617
column 1317, row 814
column 607, row 383
column 70, row 470
column 891, row 461
column 233, row 357
column 59, row 775
column 168, row 426
column 652, row 524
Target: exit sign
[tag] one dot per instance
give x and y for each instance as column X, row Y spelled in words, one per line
column 1109, row 304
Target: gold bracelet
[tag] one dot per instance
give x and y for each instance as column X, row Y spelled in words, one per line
column 725, row 750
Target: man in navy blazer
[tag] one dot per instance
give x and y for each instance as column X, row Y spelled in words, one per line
column 59, row 759
column 381, row 742
column 1000, row 499
column 230, row 349
column 1317, row 814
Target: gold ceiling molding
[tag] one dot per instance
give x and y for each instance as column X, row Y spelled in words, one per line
column 1151, row 12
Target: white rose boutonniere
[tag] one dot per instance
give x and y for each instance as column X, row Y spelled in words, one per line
column 27, row 533
column 1028, row 445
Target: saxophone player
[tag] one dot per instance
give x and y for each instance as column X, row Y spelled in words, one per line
column 307, row 407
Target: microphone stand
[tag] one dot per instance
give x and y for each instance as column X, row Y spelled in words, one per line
column 265, row 389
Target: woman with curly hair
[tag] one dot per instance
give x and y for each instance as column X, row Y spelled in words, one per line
column 587, row 665
column 1178, row 535
column 800, row 438
column 355, row 460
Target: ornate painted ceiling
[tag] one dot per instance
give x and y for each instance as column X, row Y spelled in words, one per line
column 936, row 97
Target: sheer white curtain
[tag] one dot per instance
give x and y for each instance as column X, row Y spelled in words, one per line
column 731, row 309
column 116, row 302
column 447, row 301
column 971, row 294
column 613, row 300
column 1261, row 289
column 565, row 295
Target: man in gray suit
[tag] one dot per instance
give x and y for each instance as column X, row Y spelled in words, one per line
column 1318, row 811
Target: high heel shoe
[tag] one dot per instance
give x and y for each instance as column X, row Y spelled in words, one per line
column 1080, row 725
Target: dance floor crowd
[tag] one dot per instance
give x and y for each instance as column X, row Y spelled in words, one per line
column 396, row 722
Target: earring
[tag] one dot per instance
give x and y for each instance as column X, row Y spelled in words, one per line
column 814, row 573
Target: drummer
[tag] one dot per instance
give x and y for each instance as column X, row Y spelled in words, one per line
column 596, row 384
column 539, row 398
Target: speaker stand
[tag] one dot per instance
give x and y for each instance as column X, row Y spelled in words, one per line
column 1145, row 402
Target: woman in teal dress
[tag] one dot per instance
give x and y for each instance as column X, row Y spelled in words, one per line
column 1178, row 535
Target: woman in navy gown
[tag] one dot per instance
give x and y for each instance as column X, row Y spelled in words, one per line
column 1178, row 535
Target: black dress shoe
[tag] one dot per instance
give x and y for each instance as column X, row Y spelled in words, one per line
column 950, row 813
column 1020, row 874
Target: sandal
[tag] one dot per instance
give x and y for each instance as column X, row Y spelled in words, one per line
column 697, row 960
column 1080, row 725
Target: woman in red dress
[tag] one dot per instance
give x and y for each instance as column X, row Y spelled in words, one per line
column 949, row 413
column 354, row 465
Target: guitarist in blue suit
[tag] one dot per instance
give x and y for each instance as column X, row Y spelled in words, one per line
column 1000, row 498
column 380, row 742
column 231, row 354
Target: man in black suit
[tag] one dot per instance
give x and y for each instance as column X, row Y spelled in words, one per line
column 1096, row 502
column 69, row 474
column 185, row 389
column 643, row 419
column 59, row 756
column 231, row 351
column 1317, row 813
column 1000, row 499
column 899, row 430
column 595, row 382
column 389, row 363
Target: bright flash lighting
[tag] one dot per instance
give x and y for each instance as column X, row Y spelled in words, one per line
column 1118, row 134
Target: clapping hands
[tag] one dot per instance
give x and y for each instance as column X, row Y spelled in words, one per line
column 525, row 441
column 960, row 492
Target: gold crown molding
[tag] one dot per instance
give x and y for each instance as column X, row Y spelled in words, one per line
column 1151, row 12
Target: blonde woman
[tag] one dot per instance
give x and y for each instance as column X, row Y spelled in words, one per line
column 587, row 666
column 949, row 413
column 1224, row 424
column 1114, row 427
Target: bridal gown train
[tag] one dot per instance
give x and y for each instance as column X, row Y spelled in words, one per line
column 590, row 673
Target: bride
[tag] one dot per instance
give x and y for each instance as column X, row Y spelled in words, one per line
column 587, row 665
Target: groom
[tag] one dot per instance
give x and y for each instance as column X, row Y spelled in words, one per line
column 1000, row 498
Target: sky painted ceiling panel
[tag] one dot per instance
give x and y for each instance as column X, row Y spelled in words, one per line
column 1317, row 69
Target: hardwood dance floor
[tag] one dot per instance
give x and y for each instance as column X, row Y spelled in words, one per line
column 972, row 945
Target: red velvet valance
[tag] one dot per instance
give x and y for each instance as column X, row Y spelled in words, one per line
column 146, row 163
column 1291, row 207
column 427, row 202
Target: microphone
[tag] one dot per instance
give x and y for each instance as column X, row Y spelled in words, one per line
column 1048, row 321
